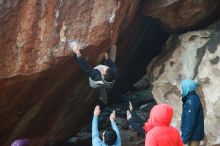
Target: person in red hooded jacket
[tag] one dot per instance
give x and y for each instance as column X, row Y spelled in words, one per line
column 158, row 129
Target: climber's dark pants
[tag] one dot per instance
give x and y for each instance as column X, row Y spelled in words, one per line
column 103, row 94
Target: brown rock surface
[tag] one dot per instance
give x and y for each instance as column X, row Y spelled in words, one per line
column 178, row 15
column 43, row 94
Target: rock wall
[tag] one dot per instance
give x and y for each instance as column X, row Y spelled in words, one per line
column 179, row 15
column 193, row 55
column 44, row 96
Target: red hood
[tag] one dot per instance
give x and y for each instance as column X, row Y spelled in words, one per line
column 160, row 115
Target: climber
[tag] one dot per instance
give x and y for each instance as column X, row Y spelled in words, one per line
column 192, row 120
column 111, row 136
column 102, row 76
column 158, row 129
column 20, row 142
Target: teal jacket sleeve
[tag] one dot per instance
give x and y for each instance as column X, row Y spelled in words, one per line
column 115, row 127
column 96, row 141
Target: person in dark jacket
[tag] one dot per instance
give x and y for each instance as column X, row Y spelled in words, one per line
column 101, row 76
column 135, row 121
column 192, row 120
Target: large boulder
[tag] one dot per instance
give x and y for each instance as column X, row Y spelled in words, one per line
column 180, row 15
column 44, row 95
column 192, row 55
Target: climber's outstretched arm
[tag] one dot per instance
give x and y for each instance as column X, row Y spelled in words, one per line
column 112, row 53
column 109, row 61
column 94, row 74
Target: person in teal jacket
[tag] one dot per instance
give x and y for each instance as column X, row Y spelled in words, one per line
column 192, row 120
column 111, row 136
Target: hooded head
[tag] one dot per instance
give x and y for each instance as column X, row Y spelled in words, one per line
column 187, row 86
column 20, row 142
column 160, row 115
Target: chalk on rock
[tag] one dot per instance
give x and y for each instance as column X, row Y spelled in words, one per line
column 112, row 17
column 73, row 45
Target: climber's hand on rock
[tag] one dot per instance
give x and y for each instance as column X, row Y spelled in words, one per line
column 111, row 32
column 113, row 116
column 76, row 48
column 77, row 51
column 114, row 47
column 97, row 110
column 106, row 55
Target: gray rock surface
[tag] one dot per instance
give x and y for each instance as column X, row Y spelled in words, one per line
column 192, row 55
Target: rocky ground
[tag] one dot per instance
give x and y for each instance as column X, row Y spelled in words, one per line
column 142, row 101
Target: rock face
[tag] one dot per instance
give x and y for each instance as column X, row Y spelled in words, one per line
column 44, row 96
column 178, row 15
column 192, row 55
